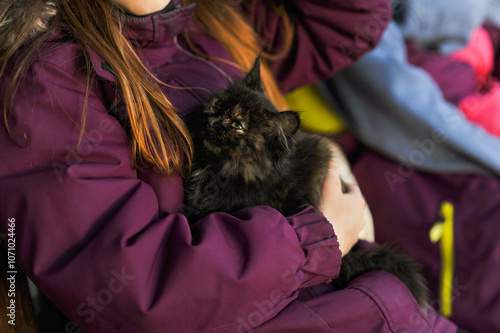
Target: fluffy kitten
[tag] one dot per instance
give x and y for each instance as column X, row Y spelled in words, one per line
column 246, row 153
column 251, row 154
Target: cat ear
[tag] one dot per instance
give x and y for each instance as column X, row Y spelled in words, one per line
column 252, row 79
column 289, row 121
column 282, row 127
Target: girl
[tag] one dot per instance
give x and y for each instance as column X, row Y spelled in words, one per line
column 93, row 143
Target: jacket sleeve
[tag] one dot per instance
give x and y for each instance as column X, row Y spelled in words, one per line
column 329, row 36
column 398, row 110
column 97, row 240
column 374, row 302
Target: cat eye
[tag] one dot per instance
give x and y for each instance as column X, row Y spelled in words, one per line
column 236, row 125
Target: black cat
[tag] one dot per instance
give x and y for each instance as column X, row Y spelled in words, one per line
column 246, row 153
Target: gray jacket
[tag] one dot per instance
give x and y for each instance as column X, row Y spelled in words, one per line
column 398, row 110
column 446, row 25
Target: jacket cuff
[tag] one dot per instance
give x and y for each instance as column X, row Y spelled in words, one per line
column 319, row 243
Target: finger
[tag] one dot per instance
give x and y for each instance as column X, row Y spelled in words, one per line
column 344, row 187
column 332, row 181
column 353, row 190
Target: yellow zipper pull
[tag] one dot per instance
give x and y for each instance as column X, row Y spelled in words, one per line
column 442, row 232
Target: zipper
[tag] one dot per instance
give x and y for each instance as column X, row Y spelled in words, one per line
column 442, row 232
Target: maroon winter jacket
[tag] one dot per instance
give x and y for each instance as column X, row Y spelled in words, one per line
column 108, row 243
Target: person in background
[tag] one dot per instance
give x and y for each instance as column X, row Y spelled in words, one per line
column 423, row 106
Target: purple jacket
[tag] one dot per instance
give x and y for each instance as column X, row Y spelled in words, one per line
column 108, row 244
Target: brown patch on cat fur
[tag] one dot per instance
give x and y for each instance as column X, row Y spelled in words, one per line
column 211, row 147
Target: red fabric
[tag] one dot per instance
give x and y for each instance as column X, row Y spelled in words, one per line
column 479, row 53
column 484, row 108
column 483, row 105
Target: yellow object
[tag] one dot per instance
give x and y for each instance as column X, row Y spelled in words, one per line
column 315, row 114
column 442, row 232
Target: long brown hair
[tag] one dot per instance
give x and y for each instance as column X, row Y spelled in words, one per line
column 224, row 23
column 98, row 23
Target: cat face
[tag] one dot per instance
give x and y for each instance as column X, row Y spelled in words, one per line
column 244, row 130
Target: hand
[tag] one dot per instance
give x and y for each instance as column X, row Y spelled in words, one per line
column 343, row 210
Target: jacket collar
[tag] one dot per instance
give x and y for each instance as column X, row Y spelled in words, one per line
column 147, row 31
column 159, row 27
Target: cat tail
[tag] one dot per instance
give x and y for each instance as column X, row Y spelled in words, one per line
column 387, row 258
